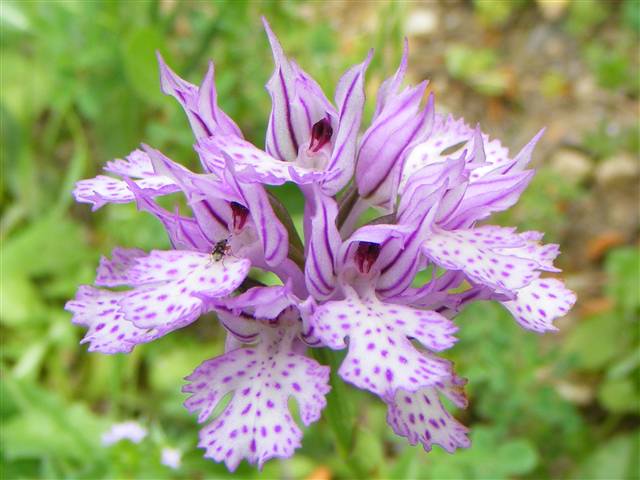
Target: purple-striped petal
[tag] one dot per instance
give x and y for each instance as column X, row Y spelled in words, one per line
column 272, row 234
column 184, row 233
column 219, row 123
column 298, row 103
column 420, row 191
column 200, row 104
column 397, row 124
column 447, row 132
column 400, row 263
column 323, row 246
column 255, row 166
column 208, row 196
column 350, row 99
column 487, row 195
column 261, row 302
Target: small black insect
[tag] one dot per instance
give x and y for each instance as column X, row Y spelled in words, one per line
column 220, row 249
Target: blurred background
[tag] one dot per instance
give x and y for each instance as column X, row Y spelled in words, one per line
column 79, row 86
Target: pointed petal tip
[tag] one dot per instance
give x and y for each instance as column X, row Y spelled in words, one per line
column 160, row 58
column 404, row 60
column 369, row 58
column 276, row 47
column 431, row 100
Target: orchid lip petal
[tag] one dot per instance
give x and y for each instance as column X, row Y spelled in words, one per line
column 115, row 272
column 256, row 425
column 421, row 417
column 381, row 358
column 471, row 251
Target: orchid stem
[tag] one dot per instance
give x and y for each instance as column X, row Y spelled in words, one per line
column 339, row 413
column 346, row 204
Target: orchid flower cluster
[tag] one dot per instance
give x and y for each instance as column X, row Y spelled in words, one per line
column 350, row 284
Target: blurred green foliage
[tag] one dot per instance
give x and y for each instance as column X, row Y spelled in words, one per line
column 79, row 86
column 478, row 67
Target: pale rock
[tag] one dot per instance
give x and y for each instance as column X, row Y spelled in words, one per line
column 618, row 170
column 421, row 22
column 552, row 9
column 571, row 165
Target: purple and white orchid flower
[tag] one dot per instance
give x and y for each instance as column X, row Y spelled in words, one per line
column 347, row 284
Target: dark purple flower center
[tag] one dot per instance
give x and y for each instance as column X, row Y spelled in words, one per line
column 320, row 134
column 240, row 214
column 366, row 255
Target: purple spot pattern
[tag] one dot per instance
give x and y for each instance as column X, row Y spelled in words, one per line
column 115, row 272
column 102, row 189
column 421, row 417
column 381, row 358
column 474, row 252
column 108, row 331
column 442, row 194
column 448, row 132
column 256, row 425
column 538, row 304
column 171, row 285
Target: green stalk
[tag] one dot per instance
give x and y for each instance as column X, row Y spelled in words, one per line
column 339, row 413
column 346, row 204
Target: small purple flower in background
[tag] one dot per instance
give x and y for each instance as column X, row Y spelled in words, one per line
column 346, row 284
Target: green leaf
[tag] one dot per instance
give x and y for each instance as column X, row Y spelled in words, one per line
column 48, row 427
column 51, row 245
column 619, row 395
column 590, row 354
column 584, row 15
column 20, row 301
column 622, row 266
column 407, row 465
column 614, row 458
column 517, row 457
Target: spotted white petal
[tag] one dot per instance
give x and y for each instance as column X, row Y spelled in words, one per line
column 422, row 418
column 538, row 304
column 474, row 251
column 103, row 189
column 171, row 285
column 108, row 330
column 114, row 272
column 381, row 357
column 257, row 425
